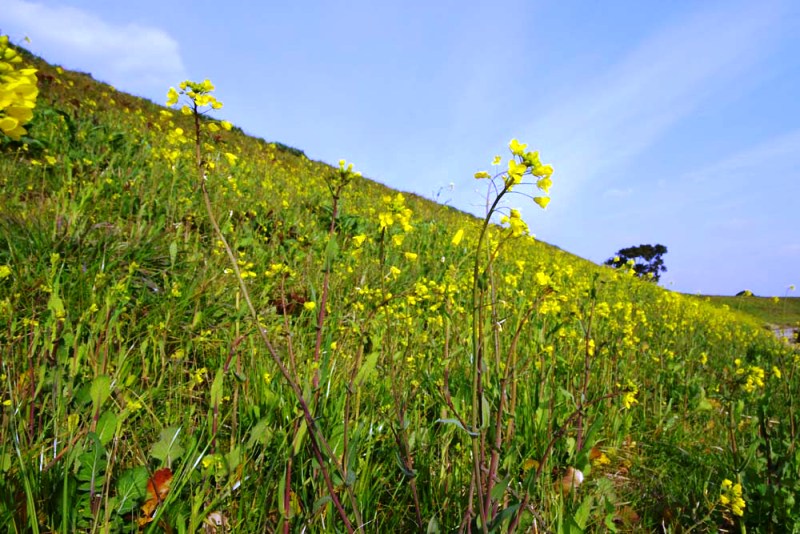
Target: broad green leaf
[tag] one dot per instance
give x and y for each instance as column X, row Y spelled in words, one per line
column 106, row 427
column 260, row 433
column 131, row 489
column 582, row 513
column 91, row 465
column 100, row 391
column 168, row 448
column 499, row 489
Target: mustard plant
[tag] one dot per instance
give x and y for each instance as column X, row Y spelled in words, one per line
column 200, row 101
column 486, row 350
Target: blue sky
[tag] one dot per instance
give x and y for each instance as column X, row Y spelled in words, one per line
column 667, row 122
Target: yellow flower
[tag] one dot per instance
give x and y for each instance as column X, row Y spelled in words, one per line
column 458, row 237
column 731, row 497
column 309, row 305
column 199, row 374
column 542, row 201
column 515, row 172
column 544, row 184
column 18, row 92
column 515, row 223
column 481, row 174
column 5, row 272
column 410, row 256
column 172, row 97
column 497, row 160
column 517, row 148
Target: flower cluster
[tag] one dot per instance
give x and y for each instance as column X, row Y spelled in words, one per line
column 520, row 164
column 753, row 376
column 396, row 212
column 731, row 497
column 18, row 91
column 515, row 223
column 199, row 94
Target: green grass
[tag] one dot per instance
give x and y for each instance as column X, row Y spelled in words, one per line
column 784, row 313
column 128, row 349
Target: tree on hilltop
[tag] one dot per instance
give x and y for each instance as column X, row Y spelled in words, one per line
column 646, row 259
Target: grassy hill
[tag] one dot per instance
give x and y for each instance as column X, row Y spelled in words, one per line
column 779, row 312
column 400, row 368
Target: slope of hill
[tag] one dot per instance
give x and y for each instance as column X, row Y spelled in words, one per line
column 138, row 389
column 779, row 312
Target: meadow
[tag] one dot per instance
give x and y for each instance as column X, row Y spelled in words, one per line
column 203, row 330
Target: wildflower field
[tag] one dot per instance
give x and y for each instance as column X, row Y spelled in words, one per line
column 201, row 330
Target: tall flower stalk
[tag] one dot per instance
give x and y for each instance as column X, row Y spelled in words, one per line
column 485, row 457
column 200, row 101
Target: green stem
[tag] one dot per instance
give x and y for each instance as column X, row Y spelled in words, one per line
column 477, row 357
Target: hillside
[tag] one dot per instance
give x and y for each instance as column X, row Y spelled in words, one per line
column 779, row 312
column 400, row 368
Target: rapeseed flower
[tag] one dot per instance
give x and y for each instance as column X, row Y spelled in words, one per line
column 18, row 92
column 458, row 237
column 731, row 497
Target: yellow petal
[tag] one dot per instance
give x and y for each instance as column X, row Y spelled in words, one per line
column 542, row 201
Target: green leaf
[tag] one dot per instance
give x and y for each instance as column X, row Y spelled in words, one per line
column 331, row 252
column 486, row 413
column 56, row 305
column 216, row 388
column 499, row 489
column 433, row 526
column 106, row 427
column 322, row 501
column 168, row 447
column 260, row 433
column 131, row 489
column 457, row 423
column 367, row 368
column 505, row 515
column 582, row 513
column 100, row 391
column 91, row 465
column 300, row 436
column 173, row 253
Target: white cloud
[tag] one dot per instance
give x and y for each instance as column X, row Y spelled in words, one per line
column 607, row 121
column 138, row 59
